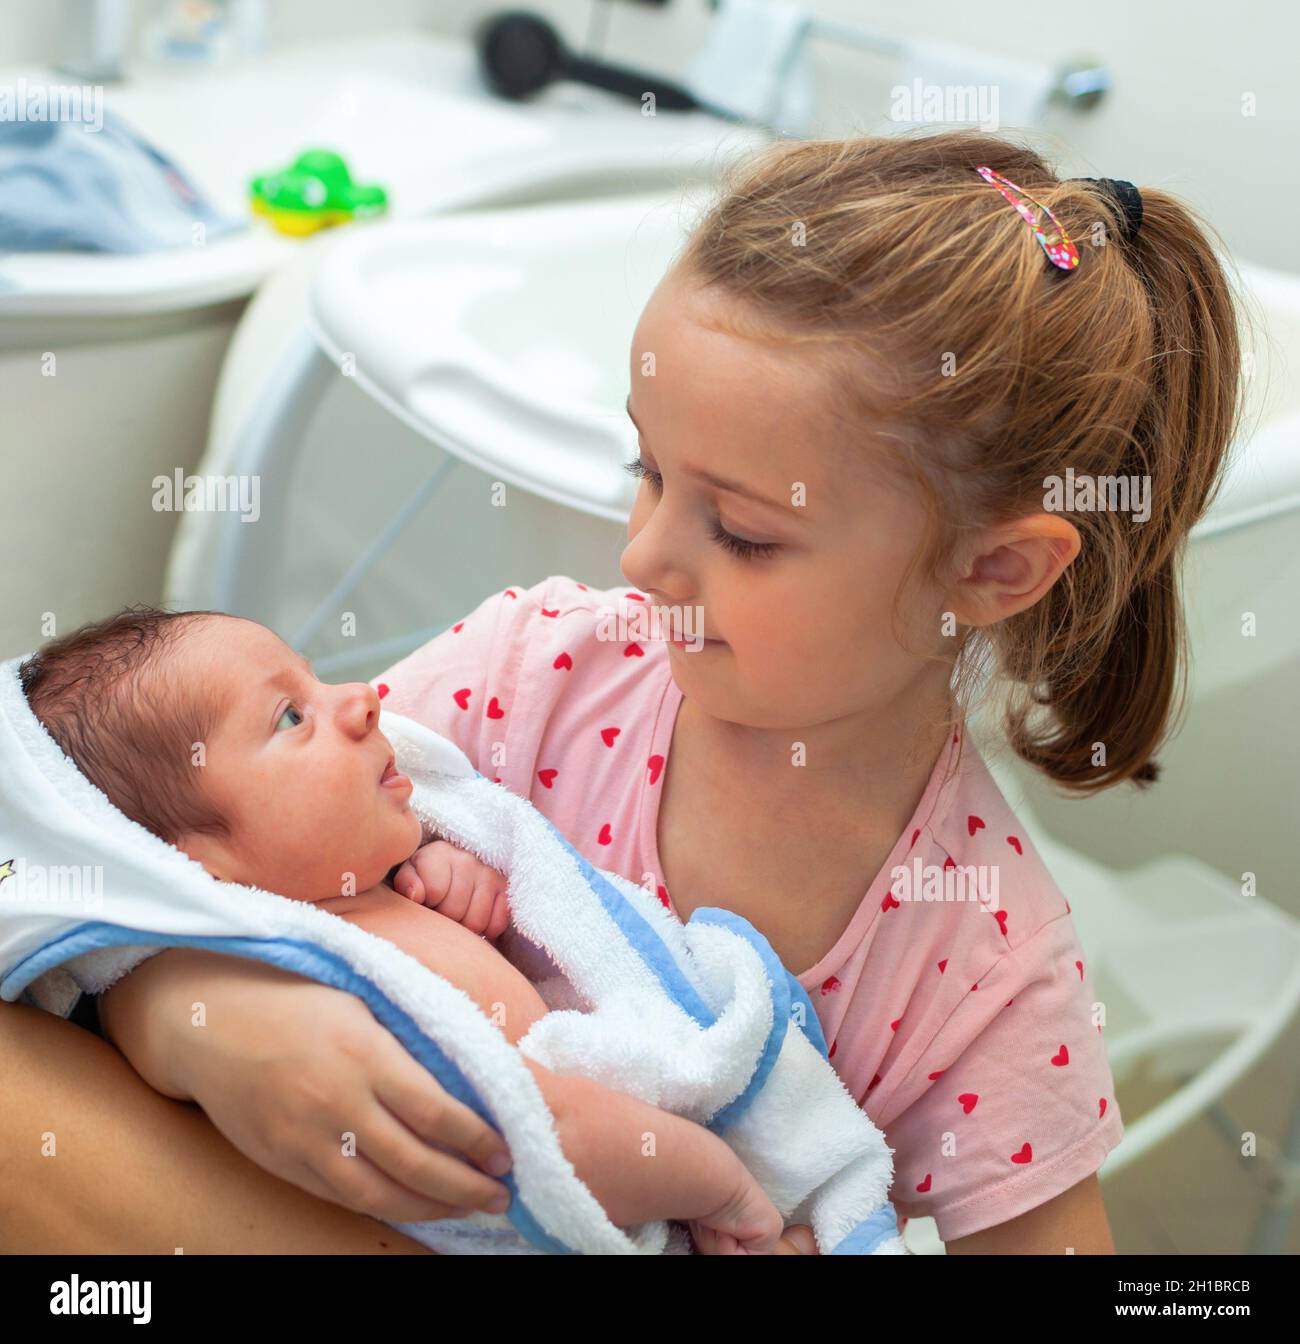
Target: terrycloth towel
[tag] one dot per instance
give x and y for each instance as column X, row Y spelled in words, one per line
column 64, row 187
column 700, row 1019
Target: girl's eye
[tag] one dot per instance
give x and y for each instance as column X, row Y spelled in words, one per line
column 639, row 469
column 748, row 550
column 293, row 722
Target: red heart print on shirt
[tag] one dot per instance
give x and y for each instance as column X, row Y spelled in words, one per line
column 655, row 764
column 830, row 984
column 1026, row 1154
column 547, row 777
column 606, row 836
column 968, row 1100
column 634, row 651
column 1101, row 1107
column 663, row 895
column 494, row 710
column 461, row 697
column 563, row 661
column 924, row 1187
column 1014, row 842
column 889, row 903
column 381, row 690
column 455, row 629
column 607, row 735
column 556, row 612
column 974, row 824
column 943, row 965
column 1063, row 1057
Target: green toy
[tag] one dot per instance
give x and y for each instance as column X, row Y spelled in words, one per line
column 315, row 192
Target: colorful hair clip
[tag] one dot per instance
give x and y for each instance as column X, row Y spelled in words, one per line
column 1055, row 241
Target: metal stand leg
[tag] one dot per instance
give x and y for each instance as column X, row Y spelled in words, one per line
column 248, row 552
column 373, row 553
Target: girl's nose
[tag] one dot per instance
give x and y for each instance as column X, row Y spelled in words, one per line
column 652, row 559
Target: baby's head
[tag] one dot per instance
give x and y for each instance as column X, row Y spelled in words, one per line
column 213, row 734
column 860, row 391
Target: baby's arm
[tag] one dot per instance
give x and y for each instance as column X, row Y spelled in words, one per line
column 639, row 1162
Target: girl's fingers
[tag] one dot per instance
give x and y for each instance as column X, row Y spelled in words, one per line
column 363, row 1187
column 415, row 1175
column 419, row 1101
column 797, row 1239
column 430, row 1175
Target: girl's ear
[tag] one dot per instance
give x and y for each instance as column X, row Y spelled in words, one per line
column 1013, row 567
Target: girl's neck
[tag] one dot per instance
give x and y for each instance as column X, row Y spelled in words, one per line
column 869, row 759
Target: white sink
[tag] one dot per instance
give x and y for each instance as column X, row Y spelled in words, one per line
column 406, row 110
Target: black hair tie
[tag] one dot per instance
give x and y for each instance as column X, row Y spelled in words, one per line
column 1128, row 197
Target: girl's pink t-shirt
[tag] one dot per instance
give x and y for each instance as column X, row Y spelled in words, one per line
column 966, row 1033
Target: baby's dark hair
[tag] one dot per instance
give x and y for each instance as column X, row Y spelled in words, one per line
column 104, row 695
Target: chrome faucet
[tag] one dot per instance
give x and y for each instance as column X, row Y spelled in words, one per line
column 96, row 35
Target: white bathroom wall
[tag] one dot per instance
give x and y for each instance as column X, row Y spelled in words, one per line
column 1204, row 99
column 1174, row 118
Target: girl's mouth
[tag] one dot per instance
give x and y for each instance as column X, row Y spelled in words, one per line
column 392, row 778
column 695, row 644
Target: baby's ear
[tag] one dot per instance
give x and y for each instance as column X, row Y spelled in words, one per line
column 209, row 850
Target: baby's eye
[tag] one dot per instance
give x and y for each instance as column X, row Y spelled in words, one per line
column 293, row 721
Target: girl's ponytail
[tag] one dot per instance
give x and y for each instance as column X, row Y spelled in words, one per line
column 1110, row 705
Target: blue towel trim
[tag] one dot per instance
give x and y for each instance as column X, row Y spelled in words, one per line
column 316, row 964
column 869, row 1233
column 810, row 1025
column 779, row 983
column 644, row 940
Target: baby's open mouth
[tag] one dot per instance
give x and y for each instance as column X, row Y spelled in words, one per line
column 393, row 777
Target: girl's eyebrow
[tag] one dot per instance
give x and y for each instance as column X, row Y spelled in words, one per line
column 733, row 487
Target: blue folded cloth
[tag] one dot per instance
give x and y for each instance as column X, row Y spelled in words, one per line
column 66, row 188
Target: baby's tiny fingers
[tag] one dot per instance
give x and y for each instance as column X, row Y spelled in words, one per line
column 500, row 920
column 407, row 883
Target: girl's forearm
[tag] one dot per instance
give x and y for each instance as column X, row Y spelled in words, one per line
column 140, row 1010
column 640, row 1162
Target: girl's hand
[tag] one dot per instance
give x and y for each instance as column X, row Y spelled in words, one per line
column 797, row 1239
column 288, row 1069
column 456, row 884
column 747, row 1224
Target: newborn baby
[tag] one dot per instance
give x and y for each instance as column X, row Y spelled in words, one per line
column 213, row 734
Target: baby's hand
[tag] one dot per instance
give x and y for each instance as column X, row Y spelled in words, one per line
column 747, row 1224
column 456, row 884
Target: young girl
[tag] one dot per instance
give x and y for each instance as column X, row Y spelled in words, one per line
column 856, row 391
